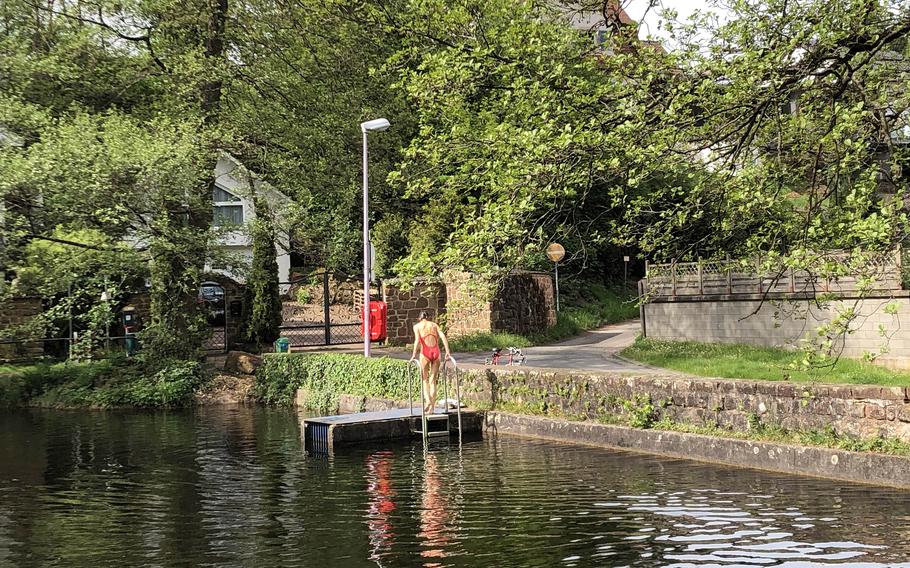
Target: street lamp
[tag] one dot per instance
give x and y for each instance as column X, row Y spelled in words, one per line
column 377, row 125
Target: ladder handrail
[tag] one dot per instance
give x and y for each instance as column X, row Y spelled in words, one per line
column 410, row 388
column 457, row 392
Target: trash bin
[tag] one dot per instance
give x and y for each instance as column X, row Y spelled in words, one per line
column 282, row 345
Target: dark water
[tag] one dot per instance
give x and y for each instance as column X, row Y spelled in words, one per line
column 231, row 487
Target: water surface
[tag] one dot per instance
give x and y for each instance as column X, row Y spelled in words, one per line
column 232, row 487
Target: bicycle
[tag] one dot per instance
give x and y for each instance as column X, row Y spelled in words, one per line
column 516, row 357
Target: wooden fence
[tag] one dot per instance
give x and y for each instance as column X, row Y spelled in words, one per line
column 735, row 277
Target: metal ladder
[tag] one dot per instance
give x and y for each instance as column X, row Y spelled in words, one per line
column 436, row 425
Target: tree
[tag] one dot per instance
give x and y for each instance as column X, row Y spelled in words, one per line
column 120, row 123
column 262, row 281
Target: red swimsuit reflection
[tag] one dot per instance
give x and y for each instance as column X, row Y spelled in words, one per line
column 382, row 503
column 435, row 515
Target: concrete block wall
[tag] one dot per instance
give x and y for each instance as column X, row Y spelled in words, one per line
column 784, row 322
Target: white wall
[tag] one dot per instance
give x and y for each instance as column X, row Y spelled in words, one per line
column 783, row 323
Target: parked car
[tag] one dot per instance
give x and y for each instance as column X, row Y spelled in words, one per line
column 212, row 295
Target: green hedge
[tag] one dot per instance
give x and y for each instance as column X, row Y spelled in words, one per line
column 107, row 383
column 327, row 376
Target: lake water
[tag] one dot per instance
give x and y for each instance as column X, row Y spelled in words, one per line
column 232, row 487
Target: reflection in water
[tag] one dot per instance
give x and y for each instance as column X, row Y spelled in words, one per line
column 231, row 487
column 382, row 503
column 436, row 513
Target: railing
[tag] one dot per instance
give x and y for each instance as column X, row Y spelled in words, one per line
column 737, row 277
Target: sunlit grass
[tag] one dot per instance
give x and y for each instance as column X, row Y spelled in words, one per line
column 756, row 363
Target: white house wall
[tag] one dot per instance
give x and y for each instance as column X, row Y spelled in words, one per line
column 230, row 177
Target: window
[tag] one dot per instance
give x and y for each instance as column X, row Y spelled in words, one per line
column 228, row 215
column 227, row 208
column 219, row 195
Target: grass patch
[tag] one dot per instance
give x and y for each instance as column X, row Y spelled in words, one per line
column 114, row 382
column 584, row 306
column 756, row 363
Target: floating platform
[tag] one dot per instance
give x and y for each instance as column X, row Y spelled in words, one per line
column 323, row 434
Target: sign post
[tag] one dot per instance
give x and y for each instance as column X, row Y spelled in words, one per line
column 625, row 272
column 555, row 252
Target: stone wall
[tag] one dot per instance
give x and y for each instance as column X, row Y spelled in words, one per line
column 404, row 306
column 465, row 314
column 784, row 322
column 525, row 302
column 866, row 411
column 16, row 312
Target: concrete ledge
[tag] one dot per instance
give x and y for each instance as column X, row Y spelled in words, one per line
column 875, row 469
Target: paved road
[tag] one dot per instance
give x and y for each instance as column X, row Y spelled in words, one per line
column 592, row 351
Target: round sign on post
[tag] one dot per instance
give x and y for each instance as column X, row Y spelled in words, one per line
column 555, row 252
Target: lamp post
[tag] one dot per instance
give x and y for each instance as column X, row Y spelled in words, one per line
column 377, row 125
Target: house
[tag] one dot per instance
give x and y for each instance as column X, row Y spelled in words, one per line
column 233, row 210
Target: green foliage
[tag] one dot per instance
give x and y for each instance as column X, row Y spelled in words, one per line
column 303, row 295
column 640, row 410
column 755, row 363
column 116, row 382
column 327, row 376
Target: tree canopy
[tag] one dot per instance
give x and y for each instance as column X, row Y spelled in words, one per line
column 782, row 130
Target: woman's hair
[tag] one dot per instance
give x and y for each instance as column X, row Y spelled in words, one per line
column 423, row 316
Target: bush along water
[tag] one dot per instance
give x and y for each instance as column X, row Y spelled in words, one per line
column 326, row 376
column 117, row 382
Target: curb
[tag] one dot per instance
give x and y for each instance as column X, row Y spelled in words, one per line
column 867, row 468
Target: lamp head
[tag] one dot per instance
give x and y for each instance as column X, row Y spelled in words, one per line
column 377, row 125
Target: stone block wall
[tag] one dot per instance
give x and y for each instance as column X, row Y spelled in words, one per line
column 526, row 303
column 466, row 314
column 783, row 322
column 16, row 312
column 404, row 306
column 866, row 411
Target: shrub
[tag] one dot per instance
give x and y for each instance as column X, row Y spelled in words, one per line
column 113, row 382
column 327, row 376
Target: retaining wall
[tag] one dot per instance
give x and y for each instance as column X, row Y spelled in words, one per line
column 866, row 411
column 877, row 469
column 783, row 322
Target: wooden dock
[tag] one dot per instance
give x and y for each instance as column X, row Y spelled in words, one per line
column 325, row 433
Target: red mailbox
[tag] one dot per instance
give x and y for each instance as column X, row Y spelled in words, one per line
column 377, row 321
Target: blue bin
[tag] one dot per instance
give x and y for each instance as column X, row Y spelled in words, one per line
column 282, row 345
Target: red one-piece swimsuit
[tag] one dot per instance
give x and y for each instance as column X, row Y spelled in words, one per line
column 431, row 352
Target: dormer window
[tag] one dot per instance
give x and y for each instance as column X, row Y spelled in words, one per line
column 227, row 208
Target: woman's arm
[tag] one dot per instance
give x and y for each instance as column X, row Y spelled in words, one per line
column 445, row 341
column 416, row 345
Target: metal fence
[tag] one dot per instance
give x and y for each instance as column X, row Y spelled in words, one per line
column 63, row 348
column 332, row 317
column 734, row 277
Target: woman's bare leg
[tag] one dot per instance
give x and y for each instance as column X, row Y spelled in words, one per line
column 424, row 378
column 434, row 375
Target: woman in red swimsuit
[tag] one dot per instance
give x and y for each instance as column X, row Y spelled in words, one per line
column 427, row 337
